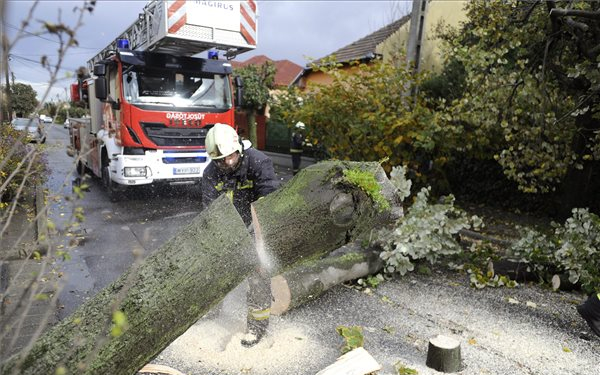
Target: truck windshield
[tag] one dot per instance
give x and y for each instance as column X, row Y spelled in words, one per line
column 185, row 90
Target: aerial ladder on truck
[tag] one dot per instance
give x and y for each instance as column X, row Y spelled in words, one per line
column 152, row 102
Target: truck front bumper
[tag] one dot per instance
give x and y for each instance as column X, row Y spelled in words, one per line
column 175, row 167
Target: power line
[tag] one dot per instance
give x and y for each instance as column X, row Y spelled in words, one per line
column 62, row 67
column 52, row 54
column 40, row 36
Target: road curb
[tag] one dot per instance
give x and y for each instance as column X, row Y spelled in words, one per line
column 41, row 214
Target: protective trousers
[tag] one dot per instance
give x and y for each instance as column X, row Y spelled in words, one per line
column 296, row 161
column 259, row 307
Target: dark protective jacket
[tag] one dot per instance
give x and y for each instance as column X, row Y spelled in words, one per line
column 296, row 142
column 254, row 178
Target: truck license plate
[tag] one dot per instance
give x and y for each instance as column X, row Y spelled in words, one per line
column 186, row 170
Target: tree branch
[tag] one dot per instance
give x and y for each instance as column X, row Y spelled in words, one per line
column 558, row 12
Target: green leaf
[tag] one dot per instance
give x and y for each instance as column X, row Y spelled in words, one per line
column 353, row 337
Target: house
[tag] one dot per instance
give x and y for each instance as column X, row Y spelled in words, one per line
column 275, row 137
column 394, row 38
column 286, row 71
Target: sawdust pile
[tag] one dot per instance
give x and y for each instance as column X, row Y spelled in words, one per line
column 217, row 347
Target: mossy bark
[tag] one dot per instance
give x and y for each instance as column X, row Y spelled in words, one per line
column 318, row 212
column 161, row 298
column 312, row 215
column 307, row 281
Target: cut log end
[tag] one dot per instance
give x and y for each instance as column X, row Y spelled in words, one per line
column 444, row 354
column 153, row 369
column 282, row 296
column 355, row 362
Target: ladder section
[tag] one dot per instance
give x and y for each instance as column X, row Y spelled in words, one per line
column 186, row 28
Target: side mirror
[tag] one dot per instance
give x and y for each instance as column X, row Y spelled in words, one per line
column 100, row 70
column 239, row 92
column 101, row 88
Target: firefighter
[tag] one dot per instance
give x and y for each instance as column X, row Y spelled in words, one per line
column 590, row 311
column 244, row 175
column 296, row 144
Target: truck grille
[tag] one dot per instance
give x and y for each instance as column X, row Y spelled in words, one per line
column 162, row 135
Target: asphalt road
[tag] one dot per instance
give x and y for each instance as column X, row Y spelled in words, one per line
column 527, row 330
column 113, row 234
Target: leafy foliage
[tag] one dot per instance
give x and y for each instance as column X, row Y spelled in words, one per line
column 573, row 248
column 402, row 369
column 530, row 89
column 21, row 165
column 366, row 114
column 427, row 231
column 258, row 81
column 75, row 112
column 23, row 100
column 353, row 337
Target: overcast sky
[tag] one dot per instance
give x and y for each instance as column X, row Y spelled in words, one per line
column 293, row 30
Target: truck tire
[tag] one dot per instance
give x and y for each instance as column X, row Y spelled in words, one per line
column 81, row 169
column 109, row 186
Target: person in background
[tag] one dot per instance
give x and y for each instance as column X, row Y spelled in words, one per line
column 296, row 146
column 590, row 311
column 243, row 175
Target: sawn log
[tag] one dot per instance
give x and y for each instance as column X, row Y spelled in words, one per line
column 315, row 213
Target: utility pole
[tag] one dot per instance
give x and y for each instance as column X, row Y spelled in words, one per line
column 415, row 39
column 416, row 33
column 5, row 67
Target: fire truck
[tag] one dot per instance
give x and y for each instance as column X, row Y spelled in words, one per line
column 152, row 100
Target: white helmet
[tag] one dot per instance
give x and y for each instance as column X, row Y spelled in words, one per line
column 221, row 141
column 300, row 125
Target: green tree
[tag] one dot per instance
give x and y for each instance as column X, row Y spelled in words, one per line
column 23, row 99
column 531, row 96
column 51, row 109
column 365, row 114
column 258, row 81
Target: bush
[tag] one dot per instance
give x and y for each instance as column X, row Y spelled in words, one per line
column 427, row 231
column 573, row 248
column 22, row 165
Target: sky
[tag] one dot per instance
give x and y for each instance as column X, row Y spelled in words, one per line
column 297, row 30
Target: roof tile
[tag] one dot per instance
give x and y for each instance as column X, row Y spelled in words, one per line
column 365, row 47
column 286, row 70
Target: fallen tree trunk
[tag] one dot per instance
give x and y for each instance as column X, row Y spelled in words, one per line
column 309, row 280
column 321, row 211
column 193, row 271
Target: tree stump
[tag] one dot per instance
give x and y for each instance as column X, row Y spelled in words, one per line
column 315, row 213
column 444, row 354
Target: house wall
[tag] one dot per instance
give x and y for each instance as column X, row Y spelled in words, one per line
column 438, row 11
column 318, row 77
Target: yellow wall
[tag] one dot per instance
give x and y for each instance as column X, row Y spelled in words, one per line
column 318, row 77
column 450, row 12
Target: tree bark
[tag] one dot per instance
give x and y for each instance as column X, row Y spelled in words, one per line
column 580, row 186
column 312, row 215
column 252, row 131
column 306, row 282
column 318, row 212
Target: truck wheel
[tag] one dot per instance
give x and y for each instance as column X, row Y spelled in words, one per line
column 109, row 186
column 81, row 168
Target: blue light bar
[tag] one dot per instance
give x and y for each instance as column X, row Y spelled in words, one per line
column 123, row 43
column 213, row 55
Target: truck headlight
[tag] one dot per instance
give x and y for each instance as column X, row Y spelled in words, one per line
column 135, row 172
